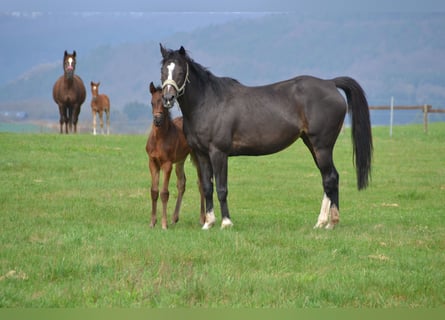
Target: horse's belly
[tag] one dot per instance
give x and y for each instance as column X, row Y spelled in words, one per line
column 266, row 141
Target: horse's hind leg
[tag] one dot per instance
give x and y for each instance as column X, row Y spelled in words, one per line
column 108, row 121
column 329, row 212
column 180, row 184
column 101, row 119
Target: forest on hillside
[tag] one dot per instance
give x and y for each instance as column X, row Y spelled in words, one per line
column 391, row 55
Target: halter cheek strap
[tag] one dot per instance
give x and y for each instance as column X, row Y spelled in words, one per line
column 173, row 83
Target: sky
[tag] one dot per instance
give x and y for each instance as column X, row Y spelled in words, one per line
column 224, row 6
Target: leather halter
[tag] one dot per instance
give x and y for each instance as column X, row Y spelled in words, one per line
column 179, row 90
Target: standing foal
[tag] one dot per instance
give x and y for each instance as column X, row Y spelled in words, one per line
column 99, row 104
column 167, row 146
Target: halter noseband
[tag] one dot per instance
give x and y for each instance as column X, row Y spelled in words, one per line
column 180, row 91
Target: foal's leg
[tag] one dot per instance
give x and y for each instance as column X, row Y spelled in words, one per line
column 108, row 121
column 101, row 119
column 167, row 169
column 94, row 122
column 154, row 171
column 180, row 184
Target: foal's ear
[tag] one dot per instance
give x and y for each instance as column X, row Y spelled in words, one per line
column 65, row 54
column 152, row 88
column 74, row 53
column 163, row 50
column 182, row 50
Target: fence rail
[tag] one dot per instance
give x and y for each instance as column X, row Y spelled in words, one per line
column 426, row 108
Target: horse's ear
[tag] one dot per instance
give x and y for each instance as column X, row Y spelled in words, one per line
column 152, row 88
column 92, row 83
column 182, row 50
column 65, row 54
column 163, row 50
column 74, row 53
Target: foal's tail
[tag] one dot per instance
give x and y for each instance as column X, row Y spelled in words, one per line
column 361, row 128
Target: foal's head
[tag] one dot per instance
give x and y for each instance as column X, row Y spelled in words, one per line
column 95, row 88
column 159, row 112
column 69, row 64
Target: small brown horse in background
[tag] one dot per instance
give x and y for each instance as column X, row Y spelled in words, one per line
column 69, row 93
column 99, row 104
column 166, row 145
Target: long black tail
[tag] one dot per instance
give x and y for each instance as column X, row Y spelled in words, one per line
column 361, row 128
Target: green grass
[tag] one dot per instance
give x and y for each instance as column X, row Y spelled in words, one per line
column 75, row 212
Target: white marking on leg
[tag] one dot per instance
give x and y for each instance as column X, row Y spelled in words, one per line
column 226, row 223
column 323, row 217
column 210, row 220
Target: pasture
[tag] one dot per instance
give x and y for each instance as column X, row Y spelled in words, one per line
column 75, row 213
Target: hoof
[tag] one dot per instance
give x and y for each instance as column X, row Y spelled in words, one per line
column 226, row 223
column 210, row 221
column 320, row 224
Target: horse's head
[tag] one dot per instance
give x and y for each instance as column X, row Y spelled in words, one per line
column 159, row 112
column 174, row 75
column 69, row 64
column 95, row 88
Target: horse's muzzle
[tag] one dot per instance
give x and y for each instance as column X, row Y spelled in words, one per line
column 168, row 98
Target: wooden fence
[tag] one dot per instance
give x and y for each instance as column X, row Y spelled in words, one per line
column 426, row 109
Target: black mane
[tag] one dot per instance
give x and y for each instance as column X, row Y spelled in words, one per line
column 218, row 84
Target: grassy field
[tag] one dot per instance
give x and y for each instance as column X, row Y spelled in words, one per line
column 75, row 214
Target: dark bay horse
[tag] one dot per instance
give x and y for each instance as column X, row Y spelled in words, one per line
column 69, row 93
column 224, row 118
column 166, row 146
column 100, row 103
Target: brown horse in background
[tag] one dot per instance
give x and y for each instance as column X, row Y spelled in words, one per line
column 69, row 93
column 99, row 104
column 166, row 146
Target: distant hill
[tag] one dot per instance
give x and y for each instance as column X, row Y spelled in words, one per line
column 400, row 55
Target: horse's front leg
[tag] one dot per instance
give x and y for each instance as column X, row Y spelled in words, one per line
column 206, row 173
column 63, row 118
column 167, row 169
column 180, row 185
column 154, row 171
column 75, row 116
column 219, row 164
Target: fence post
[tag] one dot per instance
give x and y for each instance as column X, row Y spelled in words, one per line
column 425, row 118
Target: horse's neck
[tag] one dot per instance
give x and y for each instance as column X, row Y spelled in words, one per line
column 166, row 125
column 69, row 81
